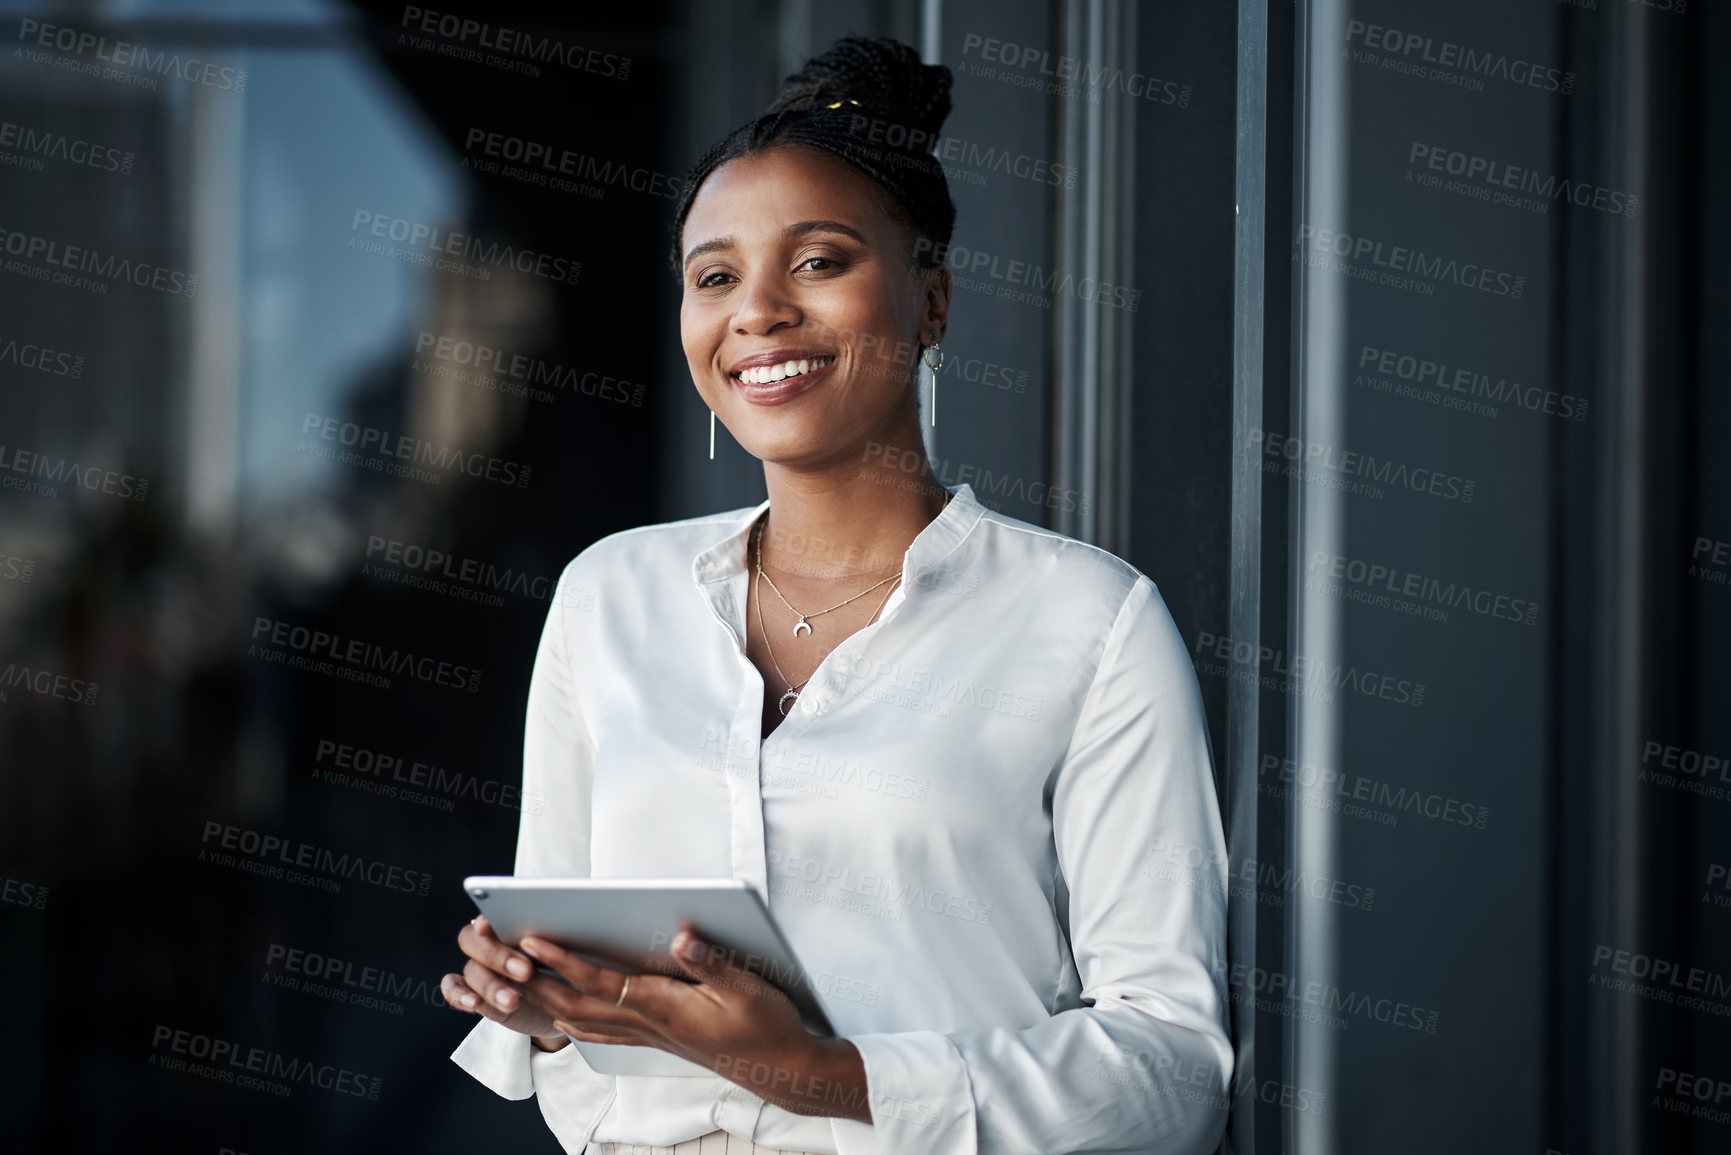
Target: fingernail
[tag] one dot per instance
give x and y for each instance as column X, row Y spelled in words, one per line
column 505, row 999
column 517, row 968
column 531, row 947
column 471, row 1001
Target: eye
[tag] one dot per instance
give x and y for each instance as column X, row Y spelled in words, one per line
column 827, row 264
column 708, row 280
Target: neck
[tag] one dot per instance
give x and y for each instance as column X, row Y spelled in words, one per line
column 845, row 521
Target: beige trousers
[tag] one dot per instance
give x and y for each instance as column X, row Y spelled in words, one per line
column 714, row 1143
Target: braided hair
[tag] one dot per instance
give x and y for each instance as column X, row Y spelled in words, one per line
column 872, row 103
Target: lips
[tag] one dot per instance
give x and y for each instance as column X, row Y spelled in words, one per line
column 780, row 375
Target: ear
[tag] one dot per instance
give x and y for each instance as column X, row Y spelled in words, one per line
column 935, row 306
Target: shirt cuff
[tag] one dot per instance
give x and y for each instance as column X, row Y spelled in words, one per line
column 573, row 1096
column 920, row 1098
column 498, row 1058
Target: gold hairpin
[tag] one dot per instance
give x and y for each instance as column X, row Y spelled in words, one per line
column 839, row 103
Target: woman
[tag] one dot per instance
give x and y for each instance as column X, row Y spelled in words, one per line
column 958, row 754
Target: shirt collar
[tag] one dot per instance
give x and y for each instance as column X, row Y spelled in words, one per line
column 726, row 558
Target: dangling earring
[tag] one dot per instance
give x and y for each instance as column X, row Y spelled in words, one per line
column 934, row 347
column 712, row 435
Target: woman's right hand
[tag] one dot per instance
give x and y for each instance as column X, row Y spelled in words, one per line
column 486, row 988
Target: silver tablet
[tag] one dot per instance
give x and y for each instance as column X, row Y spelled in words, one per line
column 628, row 924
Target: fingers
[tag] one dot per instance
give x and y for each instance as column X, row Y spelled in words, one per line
column 585, row 976
column 590, row 994
column 478, row 941
column 597, row 1037
column 462, row 996
column 718, row 967
column 493, row 990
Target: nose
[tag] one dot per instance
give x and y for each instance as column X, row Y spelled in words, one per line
column 763, row 305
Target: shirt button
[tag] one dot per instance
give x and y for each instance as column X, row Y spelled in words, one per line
column 809, row 705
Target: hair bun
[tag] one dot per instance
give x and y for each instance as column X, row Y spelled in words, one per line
column 882, row 75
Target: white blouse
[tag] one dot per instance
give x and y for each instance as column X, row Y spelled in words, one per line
column 988, row 829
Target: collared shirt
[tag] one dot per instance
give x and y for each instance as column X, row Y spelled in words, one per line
column 988, row 829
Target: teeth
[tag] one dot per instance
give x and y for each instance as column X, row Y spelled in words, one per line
column 769, row 374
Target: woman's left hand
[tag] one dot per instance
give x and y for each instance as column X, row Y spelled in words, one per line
column 729, row 1020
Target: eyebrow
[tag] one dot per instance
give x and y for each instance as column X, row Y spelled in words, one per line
column 791, row 232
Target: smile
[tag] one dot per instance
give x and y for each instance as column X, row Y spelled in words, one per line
column 770, row 374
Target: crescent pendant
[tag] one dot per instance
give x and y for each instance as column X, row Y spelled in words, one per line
column 803, row 625
column 786, row 701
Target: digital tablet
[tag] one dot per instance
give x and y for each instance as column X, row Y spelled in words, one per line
column 628, row 924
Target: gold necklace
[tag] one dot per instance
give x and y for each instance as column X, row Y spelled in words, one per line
column 804, row 619
column 792, row 693
column 804, row 622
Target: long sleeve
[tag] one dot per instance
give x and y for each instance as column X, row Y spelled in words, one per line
column 552, row 842
column 1143, row 881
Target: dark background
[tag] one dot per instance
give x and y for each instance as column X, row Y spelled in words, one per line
column 1149, row 426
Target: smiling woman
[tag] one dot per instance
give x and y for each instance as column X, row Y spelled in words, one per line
column 962, row 757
